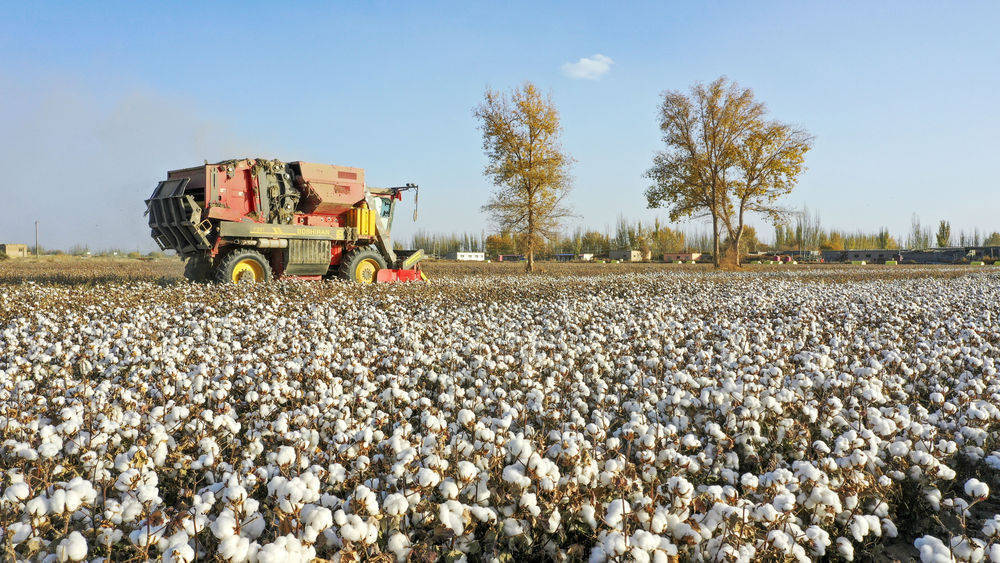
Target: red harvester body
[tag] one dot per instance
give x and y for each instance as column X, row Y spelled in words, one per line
column 254, row 219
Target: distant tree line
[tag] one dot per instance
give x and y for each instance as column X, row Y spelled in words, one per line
column 804, row 231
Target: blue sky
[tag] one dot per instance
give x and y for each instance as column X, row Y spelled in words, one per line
column 98, row 100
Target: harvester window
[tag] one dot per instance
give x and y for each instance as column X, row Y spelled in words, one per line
column 385, row 205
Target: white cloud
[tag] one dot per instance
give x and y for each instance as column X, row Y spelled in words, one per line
column 588, row 68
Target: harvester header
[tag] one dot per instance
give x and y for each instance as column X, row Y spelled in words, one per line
column 253, row 219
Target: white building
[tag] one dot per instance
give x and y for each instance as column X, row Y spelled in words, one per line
column 466, row 256
column 626, row 255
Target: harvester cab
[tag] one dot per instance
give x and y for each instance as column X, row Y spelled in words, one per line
column 255, row 219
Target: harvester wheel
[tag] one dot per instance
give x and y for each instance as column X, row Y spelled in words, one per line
column 361, row 265
column 198, row 269
column 243, row 266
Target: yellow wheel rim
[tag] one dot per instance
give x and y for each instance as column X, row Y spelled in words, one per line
column 365, row 271
column 248, row 270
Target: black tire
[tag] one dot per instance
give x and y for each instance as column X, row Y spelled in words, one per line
column 198, row 269
column 243, row 265
column 349, row 266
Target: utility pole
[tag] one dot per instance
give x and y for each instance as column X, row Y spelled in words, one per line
column 36, row 239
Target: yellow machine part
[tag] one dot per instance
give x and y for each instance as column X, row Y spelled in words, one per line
column 363, row 219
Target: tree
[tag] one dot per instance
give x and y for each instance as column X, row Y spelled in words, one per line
column 770, row 158
column 944, row 234
column 749, row 241
column 722, row 158
column 595, row 242
column 835, row 241
column 526, row 163
column 992, row 240
column 500, row 243
column 666, row 239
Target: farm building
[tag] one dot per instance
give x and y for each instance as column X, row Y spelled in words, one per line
column 626, row 255
column 833, row 255
column 569, row 257
column 934, row 255
column 872, row 256
column 681, row 256
column 14, row 250
column 510, row 258
column 466, row 256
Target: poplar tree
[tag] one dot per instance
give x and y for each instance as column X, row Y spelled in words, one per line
column 527, row 164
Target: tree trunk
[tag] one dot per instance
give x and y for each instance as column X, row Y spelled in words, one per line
column 715, row 240
column 736, row 245
column 737, row 239
column 530, row 266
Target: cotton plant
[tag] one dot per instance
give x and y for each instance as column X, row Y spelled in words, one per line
column 650, row 417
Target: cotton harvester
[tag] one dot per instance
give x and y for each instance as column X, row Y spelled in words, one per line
column 255, row 219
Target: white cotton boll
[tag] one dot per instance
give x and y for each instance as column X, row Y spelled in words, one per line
column 38, row 506
column 467, row 471
column 224, row 525
column 285, row 456
column 427, row 477
column 367, row 499
column 529, row 501
column 933, row 497
column 512, row 527
column 450, row 515
column 845, row 548
column 749, row 481
column 976, row 489
column 316, row 519
column 781, row 541
column 819, row 538
column 466, row 417
column 73, row 548
column 784, row 502
column 57, row 502
column 899, row 449
column 72, row 500
column 553, row 522
column 993, row 460
column 18, row 532
column 395, row 504
column 253, row 525
column 991, row 527
column 234, row 548
column 617, row 509
column 181, row 553
column 448, row 489
column 946, row 472
column 515, row 474
column 589, row 515
column 354, row 528
column 399, row 545
column 17, row 492
column 483, row 514
column 932, row 550
column 859, row 527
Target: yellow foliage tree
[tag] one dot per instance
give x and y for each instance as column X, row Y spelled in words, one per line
column 723, row 158
column 526, row 163
column 770, row 157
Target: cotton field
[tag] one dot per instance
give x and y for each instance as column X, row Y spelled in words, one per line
column 655, row 416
